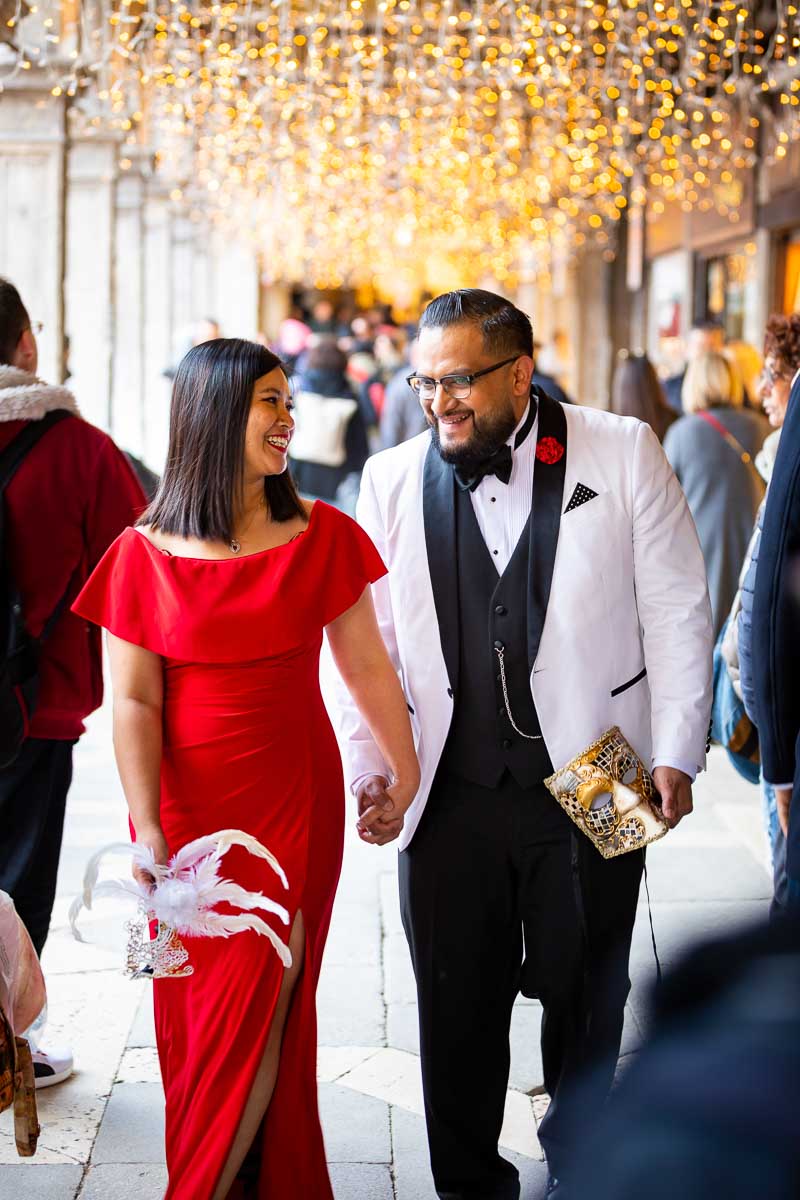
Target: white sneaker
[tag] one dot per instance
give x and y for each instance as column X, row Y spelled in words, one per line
column 52, row 1066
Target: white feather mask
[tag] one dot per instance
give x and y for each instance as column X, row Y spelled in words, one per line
column 183, row 901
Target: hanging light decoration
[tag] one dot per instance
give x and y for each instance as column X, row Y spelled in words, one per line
column 409, row 138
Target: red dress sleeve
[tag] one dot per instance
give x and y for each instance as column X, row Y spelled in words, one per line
column 118, row 595
column 352, row 562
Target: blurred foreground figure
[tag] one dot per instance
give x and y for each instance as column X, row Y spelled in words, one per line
column 776, row 644
column 710, row 1109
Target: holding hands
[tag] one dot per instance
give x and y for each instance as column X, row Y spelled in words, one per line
column 382, row 809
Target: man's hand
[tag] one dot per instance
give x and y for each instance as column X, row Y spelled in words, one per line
column 783, row 800
column 381, row 810
column 675, row 790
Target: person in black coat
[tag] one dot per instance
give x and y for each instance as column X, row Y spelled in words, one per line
column 776, row 641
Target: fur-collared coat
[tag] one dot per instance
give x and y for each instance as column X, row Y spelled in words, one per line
column 72, row 495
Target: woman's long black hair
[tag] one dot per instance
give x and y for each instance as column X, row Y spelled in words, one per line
column 211, row 398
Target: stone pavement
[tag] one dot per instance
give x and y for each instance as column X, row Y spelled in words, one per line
column 102, row 1130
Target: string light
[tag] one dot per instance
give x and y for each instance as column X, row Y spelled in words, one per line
column 363, row 140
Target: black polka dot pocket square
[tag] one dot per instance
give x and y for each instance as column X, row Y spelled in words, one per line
column 580, row 496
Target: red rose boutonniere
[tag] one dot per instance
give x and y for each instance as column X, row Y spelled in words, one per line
column 549, row 450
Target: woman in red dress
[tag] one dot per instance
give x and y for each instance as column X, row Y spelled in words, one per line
column 215, row 611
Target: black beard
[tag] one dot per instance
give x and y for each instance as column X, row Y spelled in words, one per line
column 488, row 435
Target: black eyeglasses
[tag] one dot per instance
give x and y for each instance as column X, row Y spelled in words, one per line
column 457, row 386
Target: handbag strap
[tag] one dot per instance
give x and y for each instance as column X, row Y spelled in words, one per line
column 733, row 442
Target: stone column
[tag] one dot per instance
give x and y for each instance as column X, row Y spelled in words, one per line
column 589, row 325
column 158, row 322
column 237, row 287
column 184, row 313
column 32, row 200
column 128, row 404
column 90, row 291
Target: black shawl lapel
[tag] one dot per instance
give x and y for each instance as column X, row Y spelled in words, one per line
column 439, row 514
column 547, row 502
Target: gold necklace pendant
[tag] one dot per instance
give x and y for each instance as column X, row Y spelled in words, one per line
column 234, row 546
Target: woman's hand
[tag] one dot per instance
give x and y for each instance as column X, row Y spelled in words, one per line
column 153, row 837
column 382, row 809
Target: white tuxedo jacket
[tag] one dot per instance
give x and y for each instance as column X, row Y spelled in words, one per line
column 619, row 622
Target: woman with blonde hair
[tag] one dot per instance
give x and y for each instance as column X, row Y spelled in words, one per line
column 711, row 449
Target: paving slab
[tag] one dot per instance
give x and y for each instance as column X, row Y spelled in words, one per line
column 350, row 1006
column 34, row 1181
column 355, row 936
column 133, row 1125
column 401, row 986
column 356, row 1127
column 361, row 1181
column 402, row 1027
column 143, row 1029
column 124, row 1181
column 700, row 874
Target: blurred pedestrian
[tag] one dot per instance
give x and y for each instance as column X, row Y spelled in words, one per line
column 705, row 336
column 402, row 417
column 323, row 317
column 330, row 446
column 636, row 391
column 711, row 449
column 71, row 494
column 390, row 356
column 542, row 357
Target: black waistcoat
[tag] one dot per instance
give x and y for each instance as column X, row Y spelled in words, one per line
column 482, row 743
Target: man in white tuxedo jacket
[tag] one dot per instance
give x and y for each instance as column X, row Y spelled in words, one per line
column 545, row 583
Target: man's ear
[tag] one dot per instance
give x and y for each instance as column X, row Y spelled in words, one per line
column 523, row 369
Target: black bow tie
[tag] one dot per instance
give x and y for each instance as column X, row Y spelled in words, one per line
column 499, row 464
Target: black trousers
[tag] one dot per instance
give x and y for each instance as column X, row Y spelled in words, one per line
column 499, row 896
column 33, row 797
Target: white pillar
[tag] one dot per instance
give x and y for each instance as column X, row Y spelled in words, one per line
column 237, row 286
column 128, row 408
column 32, row 147
column 158, row 323
column 90, row 299
column 183, row 302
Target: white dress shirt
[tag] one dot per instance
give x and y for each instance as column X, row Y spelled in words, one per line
column 502, row 509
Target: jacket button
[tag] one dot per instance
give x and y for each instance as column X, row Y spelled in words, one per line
column 499, row 646
column 501, row 712
column 501, row 610
column 499, row 678
column 507, row 743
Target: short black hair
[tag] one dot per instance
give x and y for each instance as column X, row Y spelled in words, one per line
column 505, row 328
column 211, row 398
column 14, row 320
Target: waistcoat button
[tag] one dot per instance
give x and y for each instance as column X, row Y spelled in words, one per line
column 507, row 743
column 500, row 609
column 499, row 646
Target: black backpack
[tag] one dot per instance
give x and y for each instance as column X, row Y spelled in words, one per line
column 19, row 652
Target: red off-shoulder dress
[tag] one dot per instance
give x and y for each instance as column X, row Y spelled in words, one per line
column 247, row 745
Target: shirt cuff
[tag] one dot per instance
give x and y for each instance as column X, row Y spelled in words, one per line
column 356, row 784
column 678, row 764
column 782, row 787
